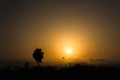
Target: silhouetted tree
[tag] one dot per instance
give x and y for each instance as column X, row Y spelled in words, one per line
column 38, row 55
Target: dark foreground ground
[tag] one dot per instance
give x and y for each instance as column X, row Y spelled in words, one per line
column 76, row 72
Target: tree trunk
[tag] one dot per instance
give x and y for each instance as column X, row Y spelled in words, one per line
column 38, row 64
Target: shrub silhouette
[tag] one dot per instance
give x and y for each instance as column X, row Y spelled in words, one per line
column 38, row 55
column 27, row 65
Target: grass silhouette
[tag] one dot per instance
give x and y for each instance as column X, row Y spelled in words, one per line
column 75, row 72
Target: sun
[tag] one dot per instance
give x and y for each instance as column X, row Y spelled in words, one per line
column 68, row 51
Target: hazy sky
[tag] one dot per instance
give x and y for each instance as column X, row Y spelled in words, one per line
column 91, row 28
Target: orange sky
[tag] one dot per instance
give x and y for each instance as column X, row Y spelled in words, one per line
column 90, row 29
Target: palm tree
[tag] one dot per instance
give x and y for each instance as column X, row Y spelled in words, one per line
column 38, row 55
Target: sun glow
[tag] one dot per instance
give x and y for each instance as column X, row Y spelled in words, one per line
column 68, row 51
